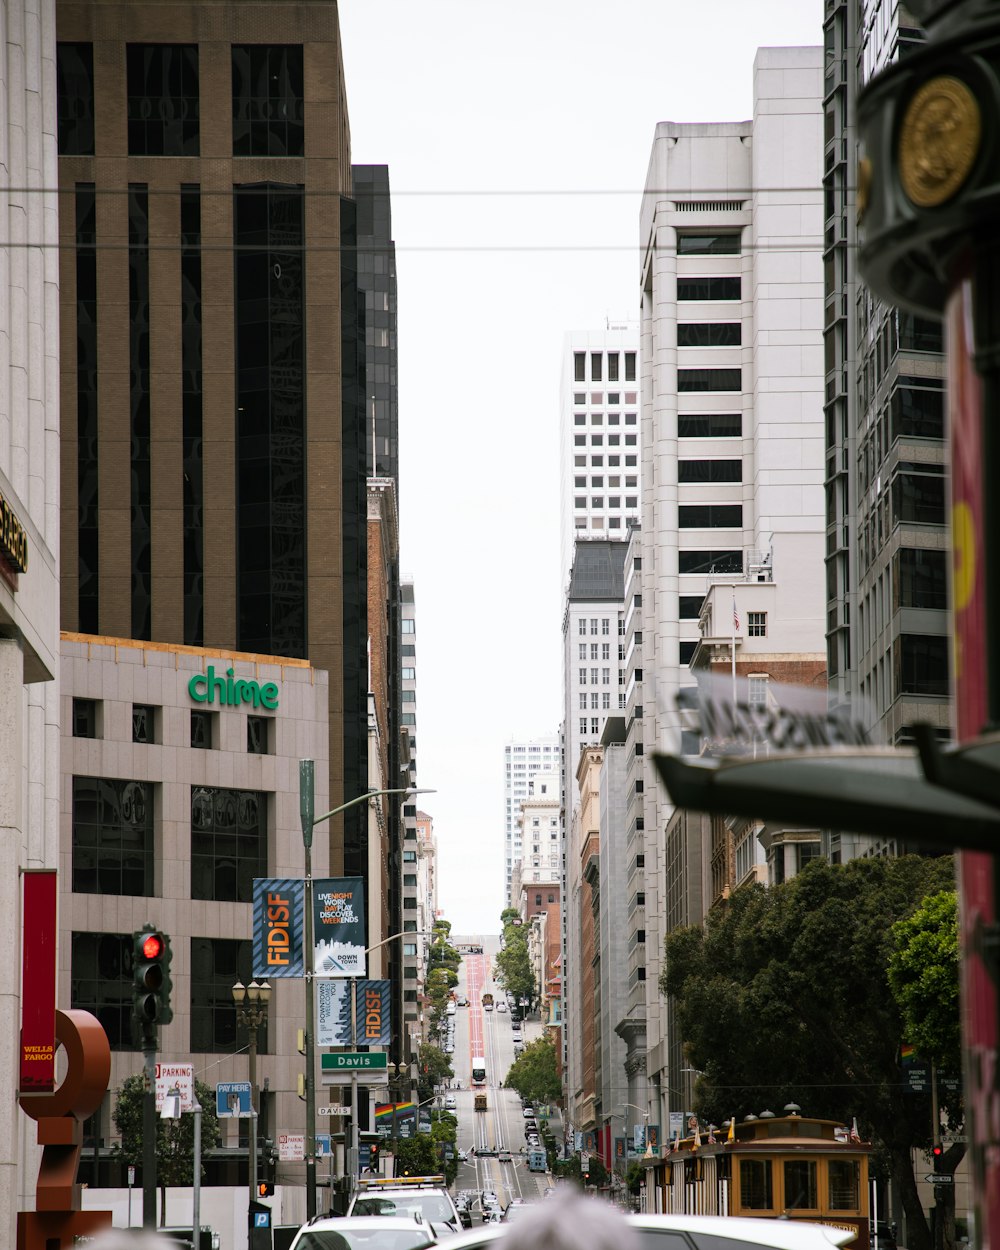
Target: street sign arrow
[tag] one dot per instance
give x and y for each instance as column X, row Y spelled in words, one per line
column 940, row 1178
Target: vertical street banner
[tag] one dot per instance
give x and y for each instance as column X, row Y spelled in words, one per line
column 277, row 928
column 619, row 1150
column 653, row 1137
column 38, row 982
column 339, row 927
column 638, row 1138
column 333, row 1013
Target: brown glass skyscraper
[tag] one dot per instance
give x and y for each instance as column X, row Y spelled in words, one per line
column 213, row 455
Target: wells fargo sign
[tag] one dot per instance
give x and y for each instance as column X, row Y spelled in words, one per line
column 13, row 539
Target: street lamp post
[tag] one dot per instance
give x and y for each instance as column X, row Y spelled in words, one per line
column 309, row 821
column 251, row 1012
column 645, row 1118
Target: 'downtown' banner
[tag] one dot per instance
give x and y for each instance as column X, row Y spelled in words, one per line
column 339, row 927
column 333, row 1015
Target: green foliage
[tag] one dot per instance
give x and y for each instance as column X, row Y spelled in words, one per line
column 434, row 1068
column 784, row 996
column 535, row 1074
column 923, row 974
column 416, row 1156
column 513, row 964
column 634, row 1177
column 174, row 1138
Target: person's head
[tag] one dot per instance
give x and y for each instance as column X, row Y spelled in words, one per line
column 568, row 1221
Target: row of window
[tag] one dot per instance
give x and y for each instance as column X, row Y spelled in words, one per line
column 614, row 462
column 597, row 501
column 164, row 104
column 147, row 727
column 597, row 418
column 601, row 360
column 605, row 651
column 614, row 399
column 580, row 482
column 597, row 440
column 604, row 621
column 605, row 677
column 605, row 700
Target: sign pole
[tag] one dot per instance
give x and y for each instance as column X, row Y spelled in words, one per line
column 149, row 1131
column 355, row 1160
column 196, row 1178
column 306, row 813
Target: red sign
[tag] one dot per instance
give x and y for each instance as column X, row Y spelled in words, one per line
column 976, row 872
column 38, row 982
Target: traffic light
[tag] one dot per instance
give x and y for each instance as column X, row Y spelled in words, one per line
column 151, row 982
column 265, row 1189
column 937, row 1150
column 373, row 1157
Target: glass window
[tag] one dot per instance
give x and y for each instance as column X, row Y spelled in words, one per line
column 409, row 674
column 801, row 1190
column 920, row 578
column 757, row 689
column 593, row 624
column 579, row 371
column 605, row 625
column 916, row 413
column 596, row 363
column 75, row 96
column 216, row 965
column 756, row 1191
column 721, row 244
column 757, row 624
column 101, row 982
column 630, row 371
column 84, row 718
column 258, row 735
column 228, row 843
column 582, row 627
column 268, row 113
column 613, row 360
column 709, row 425
column 845, row 1184
column 689, row 380
column 708, row 288
column 163, row 105
column 112, row 837
column 710, row 471
column 143, row 717
column 690, row 607
column 409, row 625
column 709, row 516
column 921, row 664
column 709, row 334
column 583, row 676
column 201, row 729
column 685, row 652
column 710, row 562
column 918, row 495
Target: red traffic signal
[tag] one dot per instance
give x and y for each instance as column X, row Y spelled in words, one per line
column 938, row 1150
column 152, row 946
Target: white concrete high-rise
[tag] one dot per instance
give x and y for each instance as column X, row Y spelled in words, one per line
column 523, row 759
column 731, row 236
column 599, row 437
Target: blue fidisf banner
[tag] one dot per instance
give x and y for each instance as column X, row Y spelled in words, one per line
column 277, row 928
column 339, row 927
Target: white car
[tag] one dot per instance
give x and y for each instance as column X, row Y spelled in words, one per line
column 362, row 1233
column 704, row 1232
column 501, row 1005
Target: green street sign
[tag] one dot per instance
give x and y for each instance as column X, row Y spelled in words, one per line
column 354, row 1061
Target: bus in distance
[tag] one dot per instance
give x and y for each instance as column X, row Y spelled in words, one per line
column 478, row 1070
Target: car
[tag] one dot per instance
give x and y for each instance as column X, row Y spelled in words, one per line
column 486, row 1152
column 463, row 1157
column 501, row 1005
column 505, row 1156
column 528, row 1111
column 462, row 1001
column 702, row 1232
column 423, row 1196
column 488, row 1197
column 362, row 1233
column 531, row 1126
column 450, row 1102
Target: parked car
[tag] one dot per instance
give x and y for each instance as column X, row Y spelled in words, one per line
column 701, row 1232
column 362, row 1233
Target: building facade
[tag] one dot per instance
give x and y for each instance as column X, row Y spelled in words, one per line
column 29, row 527
column 599, row 437
column 732, row 411
column 523, row 760
column 176, row 794
column 885, row 453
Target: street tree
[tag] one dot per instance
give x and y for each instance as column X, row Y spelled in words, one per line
column 174, row 1138
column 923, row 975
column 535, row 1073
column 784, row 996
column 435, row 1069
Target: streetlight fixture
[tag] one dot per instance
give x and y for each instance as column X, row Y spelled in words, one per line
column 251, row 1012
column 309, row 821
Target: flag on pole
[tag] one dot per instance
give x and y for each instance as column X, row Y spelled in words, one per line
column 736, row 616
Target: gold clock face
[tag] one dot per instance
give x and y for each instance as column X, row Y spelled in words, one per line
column 939, row 141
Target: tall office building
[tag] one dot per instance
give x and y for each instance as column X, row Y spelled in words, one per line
column 523, row 759
column 599, row 437
column 732, row 423
column 213, row 477
column 413, row 951
column 29, row 536
column 885, row 453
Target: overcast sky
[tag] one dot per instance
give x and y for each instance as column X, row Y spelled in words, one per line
column 517, row 136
